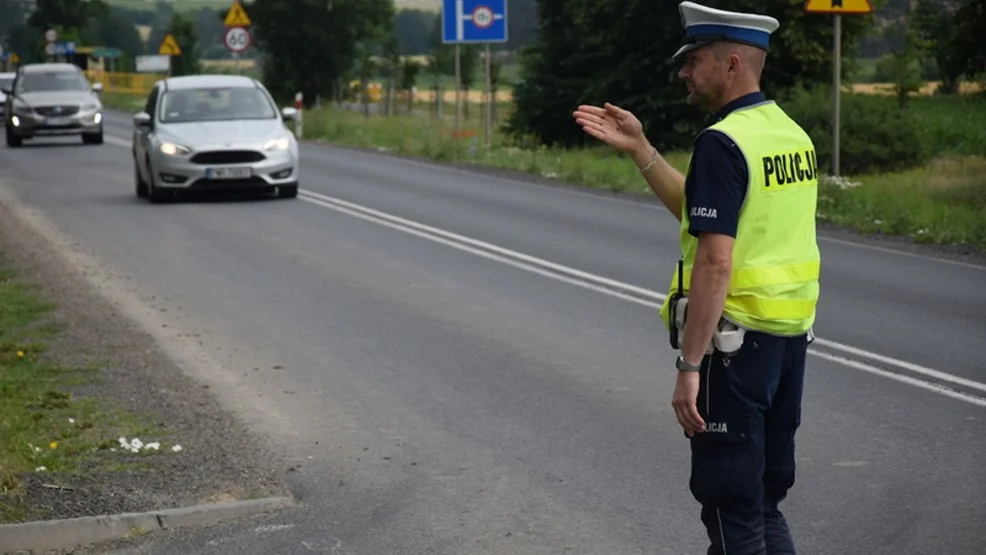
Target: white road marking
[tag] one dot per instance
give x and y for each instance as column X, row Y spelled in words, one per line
column 631, row 293
column 638, row 295
column 117, row 141
column 902, row 253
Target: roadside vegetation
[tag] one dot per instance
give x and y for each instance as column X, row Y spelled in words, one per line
column 47, row 430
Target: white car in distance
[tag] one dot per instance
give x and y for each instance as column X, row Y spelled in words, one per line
column 212, row 133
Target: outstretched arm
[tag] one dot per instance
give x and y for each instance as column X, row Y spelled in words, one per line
column 622, row 130
column 666, row 182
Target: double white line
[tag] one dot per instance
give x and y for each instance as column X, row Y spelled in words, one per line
column 860, row 359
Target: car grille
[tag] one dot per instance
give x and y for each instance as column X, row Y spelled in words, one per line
column 56, row 110
column 227, row 157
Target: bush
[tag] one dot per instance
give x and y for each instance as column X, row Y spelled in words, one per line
column 875, row 136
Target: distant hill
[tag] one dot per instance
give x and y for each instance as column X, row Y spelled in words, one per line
column 426, row 5
column 183, row 5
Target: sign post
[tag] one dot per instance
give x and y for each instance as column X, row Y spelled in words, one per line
column 237, row 38
column 837, row 8
column 470, row 22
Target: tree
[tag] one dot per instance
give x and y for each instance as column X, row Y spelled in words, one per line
column 626, row 61
column 936, row 26
column 308, row 45
column 55, row 14
column 967, row 43
column 183, row 30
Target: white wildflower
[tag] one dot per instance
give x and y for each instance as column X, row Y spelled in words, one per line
column 176, row 448
column 841, row 181
column 133, row 445
column 877, row 222
column 40, row 469
column 71, row 421
column 153, row 445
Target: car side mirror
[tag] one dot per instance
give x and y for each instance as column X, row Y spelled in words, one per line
column 289, row 113
column 142, row 119
column 97, row 87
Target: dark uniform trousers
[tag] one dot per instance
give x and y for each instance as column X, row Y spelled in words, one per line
column 743, row 464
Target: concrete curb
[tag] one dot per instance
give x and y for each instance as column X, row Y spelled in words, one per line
column 74, row 532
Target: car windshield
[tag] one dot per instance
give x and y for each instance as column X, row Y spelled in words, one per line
column 45, row 81
column 215, row 104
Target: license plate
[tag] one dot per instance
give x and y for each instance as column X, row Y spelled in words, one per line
column 58, row 121
column 228, row 173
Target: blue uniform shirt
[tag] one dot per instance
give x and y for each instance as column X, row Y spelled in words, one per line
column 715, row 187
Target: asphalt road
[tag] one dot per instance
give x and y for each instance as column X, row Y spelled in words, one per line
column 459, row 363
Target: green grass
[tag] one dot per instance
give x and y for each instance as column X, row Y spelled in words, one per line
column 943, row 202
column 952, row 125
column 44, row 427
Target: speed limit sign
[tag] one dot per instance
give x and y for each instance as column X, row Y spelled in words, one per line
column 237, row 39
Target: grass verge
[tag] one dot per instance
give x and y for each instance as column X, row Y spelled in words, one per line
column 44, row 427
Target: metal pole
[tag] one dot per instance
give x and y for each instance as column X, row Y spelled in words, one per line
column 836, row 89
column 458, row 79
column 489, row 99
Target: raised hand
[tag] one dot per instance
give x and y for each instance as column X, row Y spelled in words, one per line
column 612, row 125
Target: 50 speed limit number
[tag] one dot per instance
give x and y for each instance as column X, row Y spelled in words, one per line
column 237, row 39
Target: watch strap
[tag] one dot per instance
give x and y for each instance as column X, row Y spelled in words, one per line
column 683, row 366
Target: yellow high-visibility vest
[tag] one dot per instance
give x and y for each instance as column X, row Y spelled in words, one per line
column 774, row 284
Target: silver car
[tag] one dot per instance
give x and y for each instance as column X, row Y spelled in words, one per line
column 210, row 133
column 52, row 100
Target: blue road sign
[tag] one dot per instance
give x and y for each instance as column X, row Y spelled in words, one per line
column 470, row 21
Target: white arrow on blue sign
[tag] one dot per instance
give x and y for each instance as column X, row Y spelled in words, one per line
column 471, row 21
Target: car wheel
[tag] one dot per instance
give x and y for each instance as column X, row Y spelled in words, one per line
column 140, row 186
column 12, row 140
column 93, row 138
column 154, row 194
column 287, row 191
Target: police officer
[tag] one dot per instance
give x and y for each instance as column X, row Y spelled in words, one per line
column 742, row 299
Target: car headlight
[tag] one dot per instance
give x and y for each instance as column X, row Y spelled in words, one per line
column 171, row 149
column 277, row 144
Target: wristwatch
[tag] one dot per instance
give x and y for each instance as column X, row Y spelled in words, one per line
column 683, row 366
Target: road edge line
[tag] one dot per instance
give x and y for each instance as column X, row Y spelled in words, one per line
column 75, row 532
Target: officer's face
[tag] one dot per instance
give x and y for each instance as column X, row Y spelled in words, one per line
column 705, row 77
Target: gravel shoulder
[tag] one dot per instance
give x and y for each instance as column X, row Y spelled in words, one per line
column 220, row 459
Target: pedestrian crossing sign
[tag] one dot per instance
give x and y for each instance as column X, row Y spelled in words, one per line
column 236, row 16
column 839, row 6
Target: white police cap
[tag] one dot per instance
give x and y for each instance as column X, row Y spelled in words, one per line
column 704, row 25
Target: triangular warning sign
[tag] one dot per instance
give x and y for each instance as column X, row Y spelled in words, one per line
column 169, row 46
column 236, row 16
column 839, row 6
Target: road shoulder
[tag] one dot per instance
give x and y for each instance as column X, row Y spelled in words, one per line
column 219, row 460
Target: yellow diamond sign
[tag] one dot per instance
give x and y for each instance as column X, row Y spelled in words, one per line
column 169, row 46
column 839, row 6
column 236, row 16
